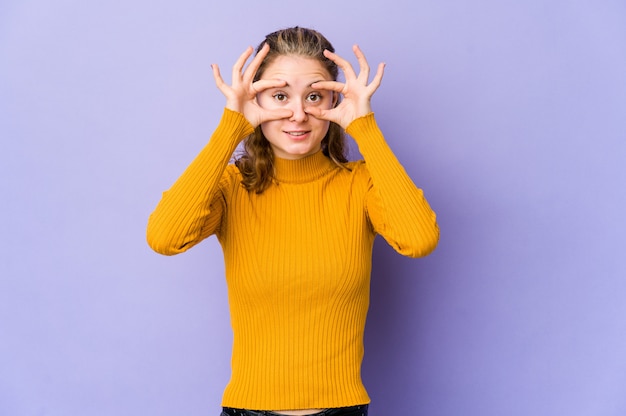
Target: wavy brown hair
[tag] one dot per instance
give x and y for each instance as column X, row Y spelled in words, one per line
column 256, row 163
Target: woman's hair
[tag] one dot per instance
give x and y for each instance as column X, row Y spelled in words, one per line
column 256, row 163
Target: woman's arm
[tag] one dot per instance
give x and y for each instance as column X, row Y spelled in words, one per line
column 396, row 208
column 191, row 209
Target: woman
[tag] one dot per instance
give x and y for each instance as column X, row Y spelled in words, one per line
column 296, row 222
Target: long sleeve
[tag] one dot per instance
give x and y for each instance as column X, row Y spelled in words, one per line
column 191, row 209
column 396, row 208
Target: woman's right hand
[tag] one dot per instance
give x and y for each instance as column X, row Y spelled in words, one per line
column 241, row 96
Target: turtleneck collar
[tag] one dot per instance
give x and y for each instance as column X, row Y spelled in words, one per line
column 302, row 170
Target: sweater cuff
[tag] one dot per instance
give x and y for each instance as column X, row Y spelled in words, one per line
column 359, row 124
column 365, row 131
column 235, row 122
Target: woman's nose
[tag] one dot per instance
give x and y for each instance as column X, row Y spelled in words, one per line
column 299, row 114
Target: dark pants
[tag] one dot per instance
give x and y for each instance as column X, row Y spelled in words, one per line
column 360, row 410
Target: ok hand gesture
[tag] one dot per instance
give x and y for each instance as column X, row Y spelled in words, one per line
column 356, row 91
column 241, row 95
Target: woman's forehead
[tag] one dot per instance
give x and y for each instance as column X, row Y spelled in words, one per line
column 289, row 67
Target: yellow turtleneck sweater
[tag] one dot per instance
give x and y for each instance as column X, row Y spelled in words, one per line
column 297, row 260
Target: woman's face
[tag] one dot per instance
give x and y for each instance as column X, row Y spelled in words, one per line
column 301, row 134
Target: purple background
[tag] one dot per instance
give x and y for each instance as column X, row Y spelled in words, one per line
column 511, row 115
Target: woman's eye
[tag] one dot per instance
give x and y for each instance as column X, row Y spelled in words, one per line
column 314, row 98
column 279, row 96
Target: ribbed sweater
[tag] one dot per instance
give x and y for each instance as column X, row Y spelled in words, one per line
column 297, row 260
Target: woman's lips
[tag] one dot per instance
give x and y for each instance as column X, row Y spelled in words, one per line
column 297, row 134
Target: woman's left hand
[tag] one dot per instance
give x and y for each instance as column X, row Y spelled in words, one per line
column 356, row 91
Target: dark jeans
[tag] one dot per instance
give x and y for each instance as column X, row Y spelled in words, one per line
column 360, row 410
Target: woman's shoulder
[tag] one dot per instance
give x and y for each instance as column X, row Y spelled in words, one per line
column 231, row 176
column 355, row 164
column 231, row 170
column 358, row 167
column 358, row 172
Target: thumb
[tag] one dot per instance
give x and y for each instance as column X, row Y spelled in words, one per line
column 276, row 114
column 316, row 112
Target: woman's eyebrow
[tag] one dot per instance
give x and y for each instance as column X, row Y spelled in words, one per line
column 287, row 85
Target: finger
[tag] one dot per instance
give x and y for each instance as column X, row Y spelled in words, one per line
column 277, row 114
column 264, row 84
column 252, row 69
column 216, row 73
column 378, row 77
column 238, row 67
column 217, row 77
column 345, row 66
column 364, row 68
column 326, row 115
column 329, row 86
column 316, row 112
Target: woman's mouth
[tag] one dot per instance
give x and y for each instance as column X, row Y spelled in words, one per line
column 297, row 133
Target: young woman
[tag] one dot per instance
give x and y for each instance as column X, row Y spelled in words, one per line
column 296, row 222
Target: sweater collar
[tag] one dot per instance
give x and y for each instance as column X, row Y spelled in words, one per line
column 302, row 170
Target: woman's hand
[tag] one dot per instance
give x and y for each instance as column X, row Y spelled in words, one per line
column 356, row 91
column 241, row 95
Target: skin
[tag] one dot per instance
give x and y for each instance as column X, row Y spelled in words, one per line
column 245, row 96
column 294, row 103
column 301, row 134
